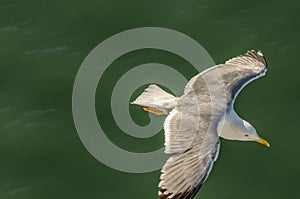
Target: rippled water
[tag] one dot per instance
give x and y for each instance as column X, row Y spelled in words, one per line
column 42, row 45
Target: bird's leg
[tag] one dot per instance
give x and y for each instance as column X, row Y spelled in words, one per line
column 155, row 111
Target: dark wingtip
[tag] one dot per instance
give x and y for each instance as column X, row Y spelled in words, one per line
column 161, row 193
column 183, row 195
column 258, row 55
column 252, row 54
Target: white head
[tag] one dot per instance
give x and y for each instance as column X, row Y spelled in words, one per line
column 241, row 130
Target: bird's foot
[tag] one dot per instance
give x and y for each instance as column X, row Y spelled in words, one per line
column 153, row 110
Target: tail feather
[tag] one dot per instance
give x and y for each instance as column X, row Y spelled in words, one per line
column 156, row 98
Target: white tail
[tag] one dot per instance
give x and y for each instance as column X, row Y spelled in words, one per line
column 156, row 98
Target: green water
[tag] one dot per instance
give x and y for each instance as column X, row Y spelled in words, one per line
column 43, row 43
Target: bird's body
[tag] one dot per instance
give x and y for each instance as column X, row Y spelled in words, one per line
column 198, row 118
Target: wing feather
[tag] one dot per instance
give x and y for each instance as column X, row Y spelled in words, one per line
column 240, row 71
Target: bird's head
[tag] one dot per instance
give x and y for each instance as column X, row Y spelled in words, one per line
column 249, row 134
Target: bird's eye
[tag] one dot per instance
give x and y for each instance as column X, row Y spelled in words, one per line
column 246, row 135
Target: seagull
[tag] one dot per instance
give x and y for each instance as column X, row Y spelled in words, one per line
column 197, row 119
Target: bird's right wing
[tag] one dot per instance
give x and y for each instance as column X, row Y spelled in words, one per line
column 191, row 135
column 183, row 174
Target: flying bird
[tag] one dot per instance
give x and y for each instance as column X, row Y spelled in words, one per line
column 197, row 119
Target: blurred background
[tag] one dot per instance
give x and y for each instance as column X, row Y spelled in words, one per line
column 42, row 45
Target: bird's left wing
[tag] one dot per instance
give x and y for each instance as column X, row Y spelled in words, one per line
column 239, row 71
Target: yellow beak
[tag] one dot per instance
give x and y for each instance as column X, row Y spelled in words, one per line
column 263, row 141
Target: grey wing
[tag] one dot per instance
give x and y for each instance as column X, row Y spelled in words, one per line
column 236, row 73
column 191, row 135
column 183, row 174
column 240, row 71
